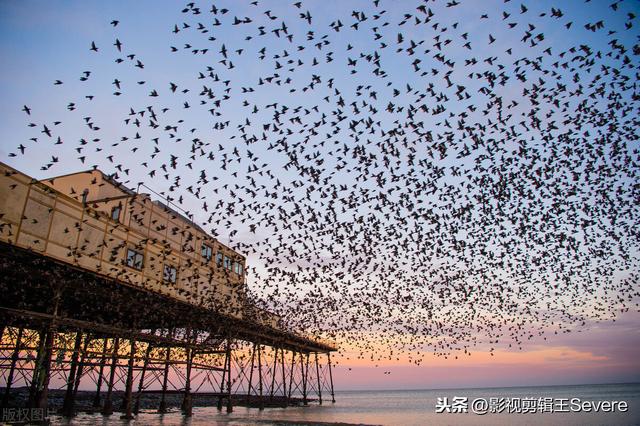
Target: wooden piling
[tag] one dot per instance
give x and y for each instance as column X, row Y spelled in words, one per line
column 319, row 381
column 103, row 361
column 14, row 359
column 107, row 408
column 68, row 404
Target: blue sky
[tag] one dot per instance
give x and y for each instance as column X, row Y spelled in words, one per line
column 42, row 42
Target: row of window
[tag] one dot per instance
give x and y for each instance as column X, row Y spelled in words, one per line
column 206, row 251
column 222, row 260
column 135, row 260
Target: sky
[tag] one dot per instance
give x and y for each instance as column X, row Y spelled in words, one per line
column 604, row 353
column 41, row 42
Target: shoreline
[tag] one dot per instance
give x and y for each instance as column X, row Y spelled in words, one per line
column 84, row 401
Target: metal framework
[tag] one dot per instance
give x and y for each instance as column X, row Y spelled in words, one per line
column 72, row 331
column 155, row 364
column 76, row 312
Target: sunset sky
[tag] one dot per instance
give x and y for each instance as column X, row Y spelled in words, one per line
column 601, row 353
column 44, row 41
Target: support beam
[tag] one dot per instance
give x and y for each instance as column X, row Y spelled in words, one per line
column 43, row 379
column 69, row 403
column 227, row 366
column 293, row 363
column 285, row 400
column 305, row 371
column 187, row 403
column 260, row 401
column 229, row 402
column 14, row 359
column 165, row 378
column 250, row 387
column 127, row 405
column 33, row 387
column 273, row 374
column 319, row 382
column 107, row 408
column 333, row 398
column 145, row 365
column 103, row 361
column 88, row 338
column 42, row 371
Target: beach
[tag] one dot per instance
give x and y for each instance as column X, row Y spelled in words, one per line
column 407, row 407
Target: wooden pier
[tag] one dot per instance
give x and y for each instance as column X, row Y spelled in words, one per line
column 104, row 288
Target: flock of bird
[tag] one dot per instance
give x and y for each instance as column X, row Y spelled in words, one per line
column 406, row 177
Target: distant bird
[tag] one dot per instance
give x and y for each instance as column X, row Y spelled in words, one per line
column 444, row 176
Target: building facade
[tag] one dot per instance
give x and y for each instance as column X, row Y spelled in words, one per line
column 89, row 220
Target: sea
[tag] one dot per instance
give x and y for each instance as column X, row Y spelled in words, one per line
column 607, row 404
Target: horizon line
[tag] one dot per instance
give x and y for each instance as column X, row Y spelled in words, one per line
column 487, row 387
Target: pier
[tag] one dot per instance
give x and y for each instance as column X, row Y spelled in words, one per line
column 104, row 288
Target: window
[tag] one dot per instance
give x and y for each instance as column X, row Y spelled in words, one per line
column 115, row 213
column 227, row 263
column 169, row 274
column 207, row 252
column 219, row 258
column 134, row 259
column 237, row 268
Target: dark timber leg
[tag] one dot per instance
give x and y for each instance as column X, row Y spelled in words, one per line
column 103, row 360
column 229, row 402
column 107, row 409
column 83, row 355
column 273, row 374
column 187, row 404
column 333, row 398
column 293, row 363
column 163, row 404
column 260, row 401
column 222, row 379
column 43, row 379
column 253, row 356
column 305, row 371
column 319, row 383
column 68, row 404
column 126, row 402
column 145, row 365
column 14, row 359
column 33, row 388
column 285, row 401
column 43, row 373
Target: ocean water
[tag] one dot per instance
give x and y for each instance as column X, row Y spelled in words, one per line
column 418, row 407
